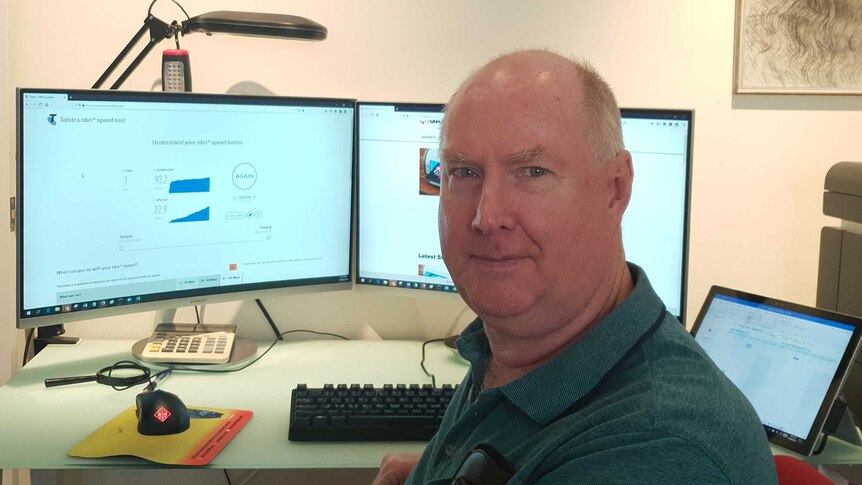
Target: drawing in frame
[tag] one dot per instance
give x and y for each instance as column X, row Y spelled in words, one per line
column 798, row 47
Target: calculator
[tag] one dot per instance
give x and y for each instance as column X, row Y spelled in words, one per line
column 190, row 344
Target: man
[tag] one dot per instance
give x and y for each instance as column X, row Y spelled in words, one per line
column 579, row 374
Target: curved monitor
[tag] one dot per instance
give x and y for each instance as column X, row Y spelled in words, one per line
column 130, row 202
column 398, row 243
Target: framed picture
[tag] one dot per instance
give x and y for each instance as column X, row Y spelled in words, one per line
column 798, row 47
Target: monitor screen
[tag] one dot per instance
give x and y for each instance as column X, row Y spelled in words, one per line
column 789, row 360
column 139, row 201
column 398, row 242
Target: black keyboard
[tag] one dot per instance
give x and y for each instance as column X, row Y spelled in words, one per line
column 367, row 413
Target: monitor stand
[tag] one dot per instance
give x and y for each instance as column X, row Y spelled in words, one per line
column 52, row 335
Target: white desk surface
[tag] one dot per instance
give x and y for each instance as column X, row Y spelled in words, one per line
column 39, row 425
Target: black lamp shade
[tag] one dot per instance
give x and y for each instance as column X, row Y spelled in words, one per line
column 255, row 24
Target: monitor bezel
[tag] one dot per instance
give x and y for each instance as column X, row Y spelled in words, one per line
column 804, row 447
column 192, row 297
column 361, row 286
column 682, row 115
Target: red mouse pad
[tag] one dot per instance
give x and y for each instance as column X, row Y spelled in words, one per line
column 210, row 430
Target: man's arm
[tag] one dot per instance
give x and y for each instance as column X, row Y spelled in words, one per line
column 394, row 468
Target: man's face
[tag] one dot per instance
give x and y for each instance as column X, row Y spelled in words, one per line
column 528, row 221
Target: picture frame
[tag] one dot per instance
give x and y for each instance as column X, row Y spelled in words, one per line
column 798, row 47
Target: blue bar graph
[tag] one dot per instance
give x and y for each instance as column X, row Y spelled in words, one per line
column 199, row 216
column 189, row 186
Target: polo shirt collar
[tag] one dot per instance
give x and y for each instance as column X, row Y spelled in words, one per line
column 576, row 371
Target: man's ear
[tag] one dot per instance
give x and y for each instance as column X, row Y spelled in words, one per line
column 620, row 177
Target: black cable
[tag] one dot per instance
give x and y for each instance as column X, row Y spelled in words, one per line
column 225, row 371
column 184, row 10
column 228, row 477
column 28, row 340
column 146, row 373
column 268, row 318
column 150, row 10
column 422, row 362
column 822, row 444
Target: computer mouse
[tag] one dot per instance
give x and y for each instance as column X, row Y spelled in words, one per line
column 160, row 413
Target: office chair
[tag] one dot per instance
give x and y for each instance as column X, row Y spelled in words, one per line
column 793, row 471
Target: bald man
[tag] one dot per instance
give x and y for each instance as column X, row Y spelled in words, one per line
column 578, row 373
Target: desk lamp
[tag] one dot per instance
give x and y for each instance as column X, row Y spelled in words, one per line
column 226, row 22
column 222, row 21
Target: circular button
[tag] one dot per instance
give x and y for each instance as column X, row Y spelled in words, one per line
column 449, row 449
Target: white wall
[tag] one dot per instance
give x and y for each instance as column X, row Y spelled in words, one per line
column 7, row 334
column 759, row 161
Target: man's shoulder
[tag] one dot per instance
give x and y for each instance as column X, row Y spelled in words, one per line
column 692, row 400
column 668, row 402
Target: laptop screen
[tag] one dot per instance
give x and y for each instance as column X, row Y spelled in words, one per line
column 789, row 360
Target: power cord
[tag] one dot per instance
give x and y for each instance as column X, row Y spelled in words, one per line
column 454, row 324
column 268, row 318
column 150, row 10
column 237, row 369
column 422, row 362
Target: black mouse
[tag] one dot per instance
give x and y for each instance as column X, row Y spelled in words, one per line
column 160, row 413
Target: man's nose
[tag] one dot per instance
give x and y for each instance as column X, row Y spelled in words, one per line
column 495, row 209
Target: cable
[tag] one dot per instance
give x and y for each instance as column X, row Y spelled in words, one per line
column 822, row 444
column 228, row 477
column 184, row 10
column 150, row 10
column 455, row 321
column 268, row 318
column 422, row 362
column 225, row 371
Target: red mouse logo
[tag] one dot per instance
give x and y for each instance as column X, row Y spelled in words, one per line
column 162, row 414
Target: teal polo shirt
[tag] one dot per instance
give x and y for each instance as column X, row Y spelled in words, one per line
column 636, row 400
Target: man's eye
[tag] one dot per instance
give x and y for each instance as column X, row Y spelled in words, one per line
column 464, row 172
column 534, row 171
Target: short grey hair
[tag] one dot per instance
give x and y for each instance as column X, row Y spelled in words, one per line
column 604, row 129
column 602, row 115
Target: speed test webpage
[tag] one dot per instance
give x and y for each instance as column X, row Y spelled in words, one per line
column 125, row 197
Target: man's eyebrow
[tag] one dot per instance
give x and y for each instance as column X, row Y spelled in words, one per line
column 455, row 158
column 519, row 157
column 528, row 155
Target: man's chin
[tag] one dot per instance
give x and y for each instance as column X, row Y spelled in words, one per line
column 497, row 305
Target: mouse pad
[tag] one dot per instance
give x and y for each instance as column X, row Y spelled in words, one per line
column 210, row 430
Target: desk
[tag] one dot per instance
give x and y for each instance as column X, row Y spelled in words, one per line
column 40, row 425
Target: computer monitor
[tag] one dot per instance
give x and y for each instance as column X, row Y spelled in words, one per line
column 789, row 360
column 128, row 202
column 398, row 193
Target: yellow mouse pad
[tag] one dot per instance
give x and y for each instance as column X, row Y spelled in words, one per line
column 198, row 445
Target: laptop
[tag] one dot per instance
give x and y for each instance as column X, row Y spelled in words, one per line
column 789, row 360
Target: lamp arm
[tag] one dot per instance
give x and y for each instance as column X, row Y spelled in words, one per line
column 158, row 32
